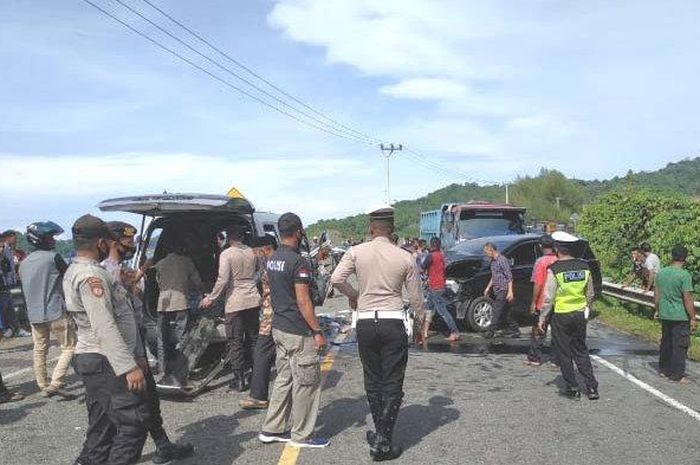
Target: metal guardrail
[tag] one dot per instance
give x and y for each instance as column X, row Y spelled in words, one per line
column 634, row 295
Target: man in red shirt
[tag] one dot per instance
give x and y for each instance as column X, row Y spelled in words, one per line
column 539, row 278
column 435, row 265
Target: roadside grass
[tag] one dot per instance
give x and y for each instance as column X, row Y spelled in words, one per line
column 637, row 320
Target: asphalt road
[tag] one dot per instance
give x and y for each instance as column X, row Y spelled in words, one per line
column 472, row 402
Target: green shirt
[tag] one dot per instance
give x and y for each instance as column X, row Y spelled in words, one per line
column 671, row 282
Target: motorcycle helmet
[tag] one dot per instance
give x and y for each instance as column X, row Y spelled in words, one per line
column 41, row 234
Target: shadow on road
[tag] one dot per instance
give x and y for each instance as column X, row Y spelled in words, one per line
column 18, row 412
column 214, row 438
column 332, row 379
column 342, row 414
column 418, row 421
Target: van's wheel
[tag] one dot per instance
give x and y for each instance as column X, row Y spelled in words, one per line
column 480, row 313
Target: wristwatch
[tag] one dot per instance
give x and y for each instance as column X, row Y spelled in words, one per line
column 316, row 332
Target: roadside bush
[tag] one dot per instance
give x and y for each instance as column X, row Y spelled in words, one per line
column 622, row 219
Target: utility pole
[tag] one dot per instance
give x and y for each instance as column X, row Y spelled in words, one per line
column 558, row 203
column 388, row 151
column 507, row 196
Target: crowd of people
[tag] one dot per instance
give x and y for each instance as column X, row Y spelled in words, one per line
column 94, row 308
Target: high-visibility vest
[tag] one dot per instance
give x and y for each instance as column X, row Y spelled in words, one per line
column 572, row 285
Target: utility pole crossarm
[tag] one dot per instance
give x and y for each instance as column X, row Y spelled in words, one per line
column 388, row 151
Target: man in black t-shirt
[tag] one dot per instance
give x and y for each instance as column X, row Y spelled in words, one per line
column 297, row 390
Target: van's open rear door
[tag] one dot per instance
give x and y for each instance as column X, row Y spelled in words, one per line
column 163, row 204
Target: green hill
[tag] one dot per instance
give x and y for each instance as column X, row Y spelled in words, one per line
column 538, row 193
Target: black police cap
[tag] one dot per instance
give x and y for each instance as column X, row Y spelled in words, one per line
column 121, row 230
column 91, row 227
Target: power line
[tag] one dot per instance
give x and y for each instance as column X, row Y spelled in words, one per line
column 346, row 132
column 235, row 75
column 257, row 75
column 209, row 73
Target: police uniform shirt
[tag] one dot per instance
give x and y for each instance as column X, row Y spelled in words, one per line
column 90, row 302
column 285, row 269
column 236, row 279
column 574, row 273
column 382, row 269
column 124, row 310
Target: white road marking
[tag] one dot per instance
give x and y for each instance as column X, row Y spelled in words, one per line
column 24, row 370
column 653, row 391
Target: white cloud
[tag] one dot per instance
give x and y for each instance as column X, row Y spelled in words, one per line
column 545, row 83
column 78, row 183
column 426, row 89
column 397, row 37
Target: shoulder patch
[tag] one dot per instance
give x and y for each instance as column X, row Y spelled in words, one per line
column 96, row 287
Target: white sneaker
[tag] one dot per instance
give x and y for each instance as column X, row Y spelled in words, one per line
column 23, row 333
column 8, row 332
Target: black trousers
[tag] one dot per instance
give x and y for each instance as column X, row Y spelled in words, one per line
column 263, row 360
column 569, row 332
column 383, row 348
column 172, row 326
column 500, row 313
column 8, row 313
column 675, row 340
column 242, row 331
column 118, row 419
column 155, row 426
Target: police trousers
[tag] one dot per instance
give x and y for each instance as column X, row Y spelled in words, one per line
column 263, row 359
column 296, row 393
column 383, row 348
column 242, row 330
column 675, row 340
column 569, row 337
column 118, row 419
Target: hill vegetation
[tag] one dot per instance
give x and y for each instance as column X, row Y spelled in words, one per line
column 538, row 194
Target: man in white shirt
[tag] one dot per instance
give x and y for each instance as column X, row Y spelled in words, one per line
column 653, row 265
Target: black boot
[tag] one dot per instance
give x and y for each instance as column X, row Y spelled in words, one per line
column 385, row 450
column 376, row 406
column 572, row 393
column 167, row 452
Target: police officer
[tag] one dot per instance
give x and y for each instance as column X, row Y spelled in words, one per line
column 569, row 291
column 299, row 341
column 127, row 301
column 104, row 359
column 382, row 271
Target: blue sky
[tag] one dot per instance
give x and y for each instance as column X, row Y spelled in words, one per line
column 491, row 89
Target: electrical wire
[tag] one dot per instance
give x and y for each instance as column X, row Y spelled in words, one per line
column 214, row 76
column 257, row 75
column 329, row 126
column 237, row 76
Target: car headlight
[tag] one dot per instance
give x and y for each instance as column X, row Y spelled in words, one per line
column 452, row 285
